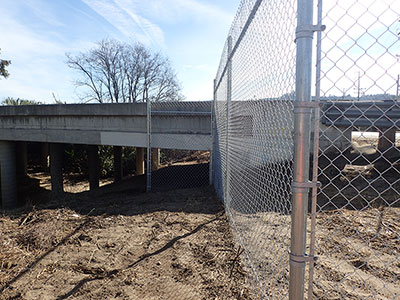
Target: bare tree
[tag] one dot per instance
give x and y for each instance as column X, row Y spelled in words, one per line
column 119, row 72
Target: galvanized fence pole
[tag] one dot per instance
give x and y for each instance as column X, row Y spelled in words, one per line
column 212, row 132
column 148, row 163
column 315, row 153
column 302, row 122
column 228, row 105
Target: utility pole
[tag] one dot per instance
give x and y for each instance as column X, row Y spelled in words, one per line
column 357, row 85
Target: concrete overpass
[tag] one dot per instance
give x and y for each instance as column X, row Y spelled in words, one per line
column 340, row 118
column 180, row 125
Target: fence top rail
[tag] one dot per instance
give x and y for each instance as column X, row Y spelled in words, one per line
column 181, row 113
column 237, row 42
column 181, row 107
column 360, row 103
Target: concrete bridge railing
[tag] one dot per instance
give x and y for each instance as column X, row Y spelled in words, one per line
column 107, row 124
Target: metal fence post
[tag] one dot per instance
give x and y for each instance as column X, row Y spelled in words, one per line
column 212, row 132
column 228, row 104
column 148, row 163
column 316, row 126
column 302, row 120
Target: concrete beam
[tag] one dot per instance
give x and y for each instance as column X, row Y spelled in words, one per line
column 117, row 163
column 8, row 175
column 181, row 141
column 340, row 136
column 56, row 172
column 184, row 141
column 387, row 139
column 139, row 161
column 94, row 166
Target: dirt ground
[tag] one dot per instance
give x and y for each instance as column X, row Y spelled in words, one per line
column 120, row 243
column 358, row 224
column 358, row 254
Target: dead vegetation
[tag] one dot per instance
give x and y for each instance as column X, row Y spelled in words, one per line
column 358, row 254
column 171, row 245
column 120, row 243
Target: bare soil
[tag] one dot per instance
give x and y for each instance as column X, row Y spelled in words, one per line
column 120, row 243
column 358, row 254
column 358, row 224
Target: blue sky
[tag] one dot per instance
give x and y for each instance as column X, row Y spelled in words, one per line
column 36, row 34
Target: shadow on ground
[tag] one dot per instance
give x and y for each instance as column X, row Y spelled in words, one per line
column 127, row 197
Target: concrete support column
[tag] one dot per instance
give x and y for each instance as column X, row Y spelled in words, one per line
column 8, row 175
column 44, row 156
column 155, row 158
column 139, row 161
column 22, row 159
column 117, row 163
column 387, row 139
column 56, row 173
column 94, row 166
column 347, row 134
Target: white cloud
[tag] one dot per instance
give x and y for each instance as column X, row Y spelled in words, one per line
column 121, row 14
column 175, row 10
column 40, row 9
column 21, row 41
column 150, row 30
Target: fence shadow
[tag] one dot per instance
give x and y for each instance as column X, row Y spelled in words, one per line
column 180, row 176
column 184, row 188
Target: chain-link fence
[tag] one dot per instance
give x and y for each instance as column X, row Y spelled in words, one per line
column 253, row 138
column 358, row 214
column 261, row 146
column 180, row 145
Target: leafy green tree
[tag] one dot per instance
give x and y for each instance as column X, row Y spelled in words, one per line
column 3, row 64
column 18, row 101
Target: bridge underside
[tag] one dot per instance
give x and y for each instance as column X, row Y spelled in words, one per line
column 179, row 125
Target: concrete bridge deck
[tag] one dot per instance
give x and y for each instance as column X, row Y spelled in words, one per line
column 363, row 114
column 172, row 124
column 341, row 118
column 177, row 125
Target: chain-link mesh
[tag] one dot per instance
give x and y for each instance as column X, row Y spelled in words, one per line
column 253, row 138
column 180, row 141
column 358, row 233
